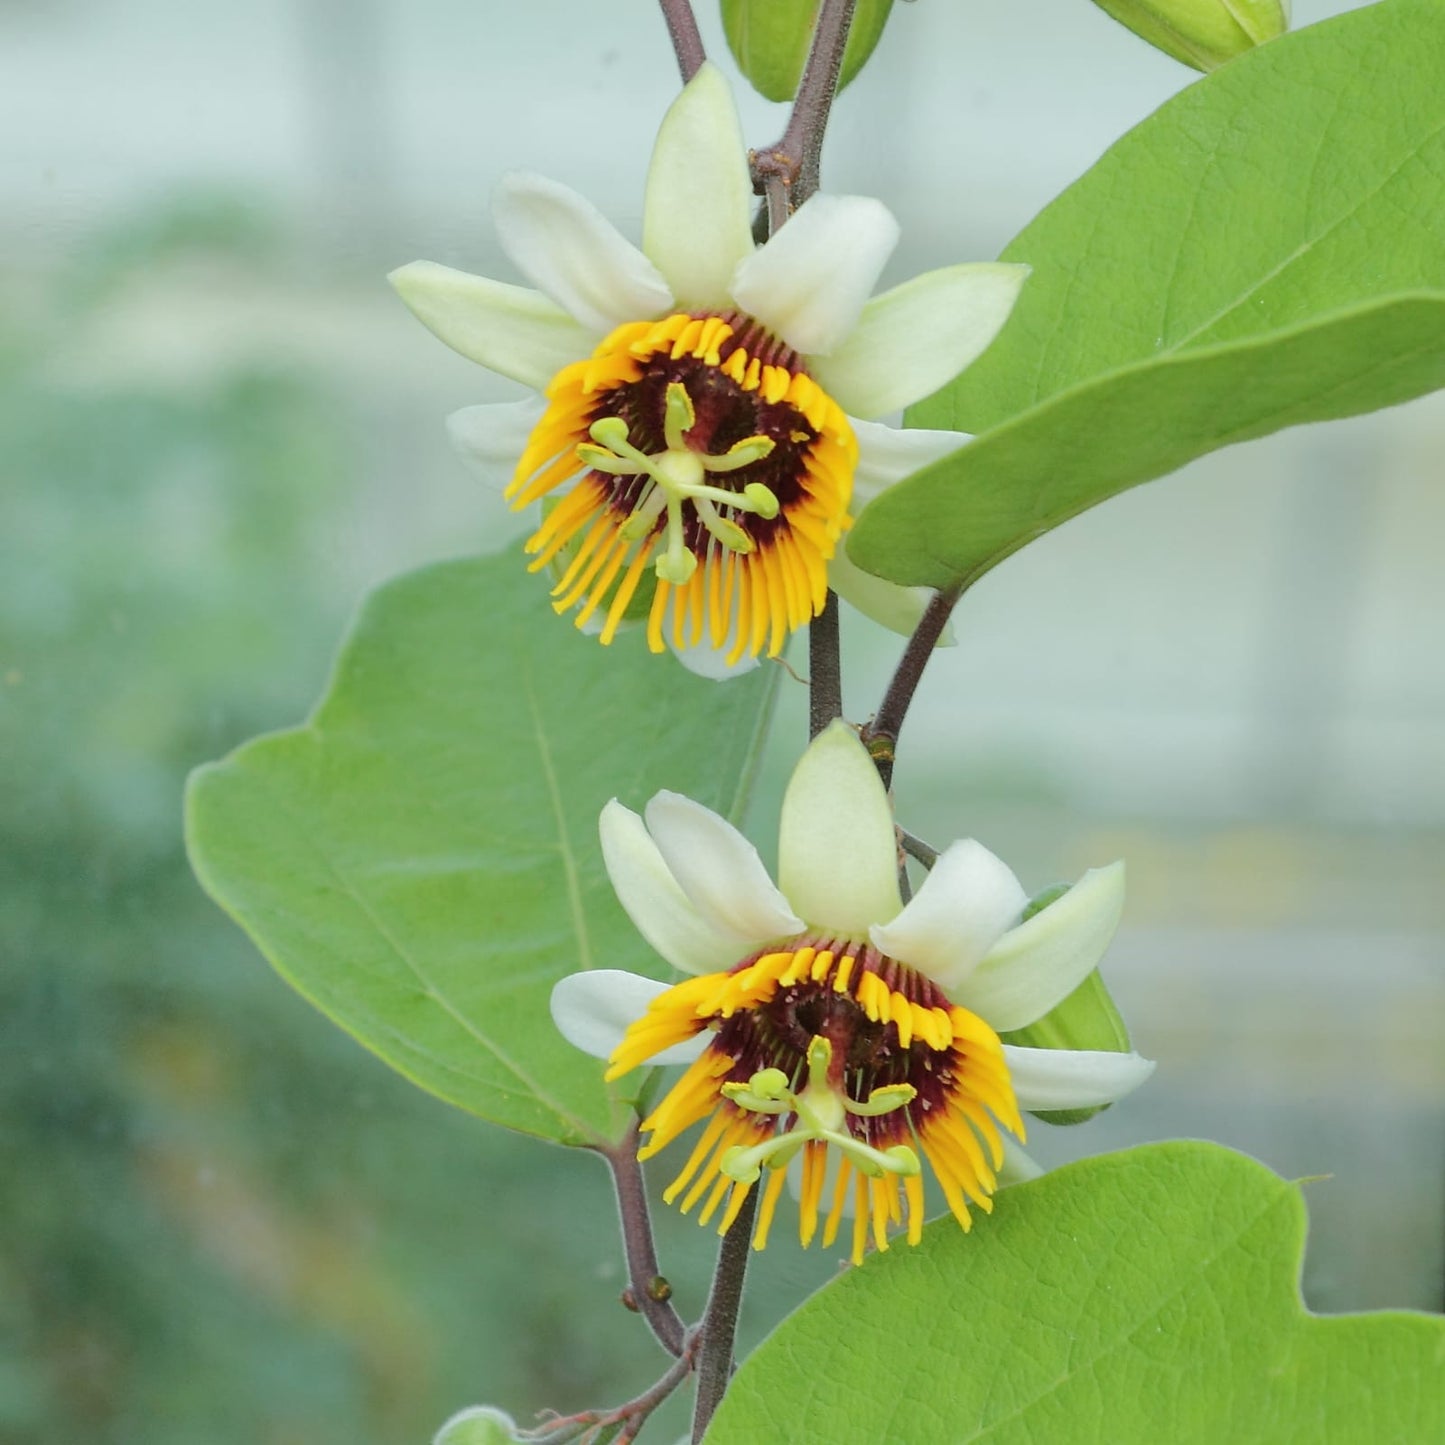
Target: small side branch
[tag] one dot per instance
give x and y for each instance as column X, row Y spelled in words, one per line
column 881, row 735
column 796, row 160
column 686, row 39
column 648, row 1292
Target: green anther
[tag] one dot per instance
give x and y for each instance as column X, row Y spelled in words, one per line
column 730, row 534
column 736, row 1166
column 611, row 431
column 679, row 417
column 676, row 567
column 905, row 1161
column 601, row 459
column 760, row 499
column 740, row 454
column 769, row 1083
column 637, row 526
column 882, row 1101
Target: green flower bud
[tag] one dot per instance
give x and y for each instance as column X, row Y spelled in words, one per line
column 480, row 1425
column 769, row 40
column 1086, row 1019
column 1202, row 33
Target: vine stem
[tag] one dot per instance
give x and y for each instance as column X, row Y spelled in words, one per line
column 686, row 39
column 648, row 1292
column 825, row 673
column 797, row 157
column 720, row 1319
column 881, row 735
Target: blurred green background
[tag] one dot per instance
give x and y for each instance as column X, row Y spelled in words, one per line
column 220, row 1220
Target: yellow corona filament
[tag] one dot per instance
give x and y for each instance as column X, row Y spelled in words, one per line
column 740, row 587
column 755, row 1126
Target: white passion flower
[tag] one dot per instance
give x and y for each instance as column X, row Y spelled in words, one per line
column 828, row 1023
column 707, row 413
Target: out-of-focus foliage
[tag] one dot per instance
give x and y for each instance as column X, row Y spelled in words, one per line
column 220, row 1219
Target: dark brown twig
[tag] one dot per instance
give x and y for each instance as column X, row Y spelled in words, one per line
column 796, row 159
column 648, row 1292
column 825, row 675
column 686, row 40
column 720, row 1321
column 881, row 735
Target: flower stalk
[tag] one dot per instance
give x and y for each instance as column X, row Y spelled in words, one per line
column 881, row 735
column 686, row 39
column 648, row 1291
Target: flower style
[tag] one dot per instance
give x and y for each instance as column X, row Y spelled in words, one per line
column 707, row 420
column 829, row 1026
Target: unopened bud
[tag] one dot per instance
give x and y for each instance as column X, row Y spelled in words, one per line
column 480, row 1425
column 1202, row 33
column 769, row 40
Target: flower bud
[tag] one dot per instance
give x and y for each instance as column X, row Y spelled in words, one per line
column 1086, row 1019
column 1202, row 33
column 769, row 40
column 479, row 1425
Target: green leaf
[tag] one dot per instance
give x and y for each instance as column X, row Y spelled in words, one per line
column 769, row 40
column 1263, row 251
column 420, row 859
column 1137, row 1297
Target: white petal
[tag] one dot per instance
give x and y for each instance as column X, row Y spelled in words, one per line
column 1017, row 1167
column 967, row 903
column 491, row 438
column 837, row 851
column 1043, row 961
column 887, row 454
column 1073, row 1078
column 711, row 662
column 655, row 903
column 809, row 282
column 897, row 608
column 508, row 329
column 594, row 1010
column 696, row 222
column 561, row 242
column 913, row 339
column 719, row 870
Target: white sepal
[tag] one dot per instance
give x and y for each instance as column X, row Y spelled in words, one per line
column 492, row 437
column 562, row 243
column 696, row 224
column 705, row 660
column 967, row 903
column 656, row 904
column 916, row 338
column 508, row 329
column 1017, row 1167
column 887, row 454
column 1043, row 961
column 837, row 851
column 809, row 282
column 719, row 870
column 594, row 1010
column 1073, row 1078
column 898, row 608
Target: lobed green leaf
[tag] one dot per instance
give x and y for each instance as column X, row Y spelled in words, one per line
column 1262, row 251
column 1129, row 1299
column 420, row 859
